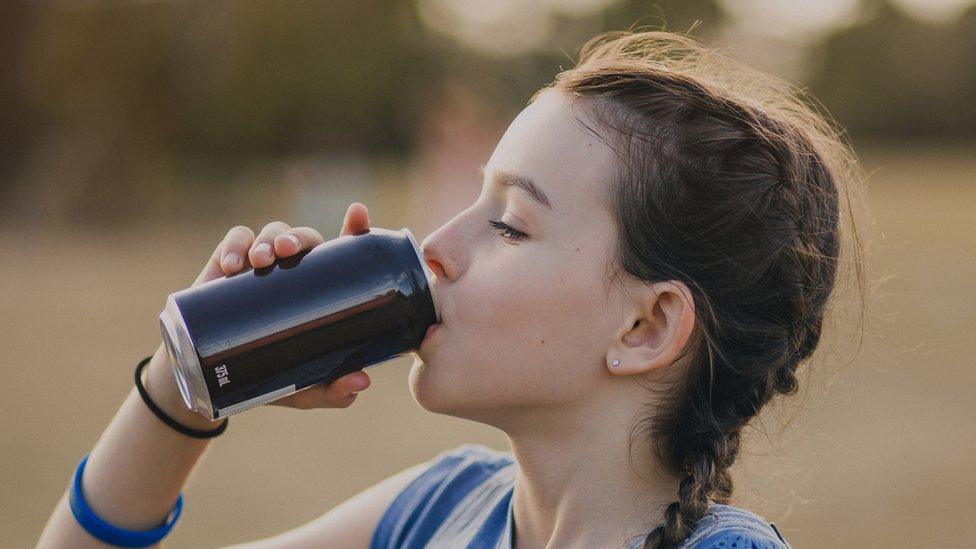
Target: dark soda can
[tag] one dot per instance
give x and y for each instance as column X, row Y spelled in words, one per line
column 258, row 335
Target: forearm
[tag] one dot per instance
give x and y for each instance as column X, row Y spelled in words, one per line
column 138, row 466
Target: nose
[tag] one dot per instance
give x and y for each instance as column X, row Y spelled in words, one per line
column 435, row 266
column 433, row 259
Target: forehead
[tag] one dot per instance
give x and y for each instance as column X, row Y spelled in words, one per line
column 546, row 143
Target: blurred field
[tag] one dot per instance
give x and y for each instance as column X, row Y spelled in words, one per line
column 882, row 453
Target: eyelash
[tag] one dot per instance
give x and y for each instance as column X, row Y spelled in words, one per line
column 507, row 231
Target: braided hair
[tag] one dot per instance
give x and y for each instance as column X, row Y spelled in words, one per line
column 740, row 200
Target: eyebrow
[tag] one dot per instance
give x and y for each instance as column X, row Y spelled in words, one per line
column 522, row 182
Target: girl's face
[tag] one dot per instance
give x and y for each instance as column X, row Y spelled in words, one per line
column 526, row 322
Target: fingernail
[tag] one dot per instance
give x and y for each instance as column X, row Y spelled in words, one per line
column 232, row 259
column 263, row 248
column 294, row 240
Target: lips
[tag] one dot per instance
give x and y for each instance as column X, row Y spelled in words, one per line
column 430, row 330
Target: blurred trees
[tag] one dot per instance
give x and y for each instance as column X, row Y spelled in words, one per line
column 895, row 77
column 103, row 101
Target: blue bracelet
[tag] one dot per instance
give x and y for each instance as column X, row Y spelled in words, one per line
column 114, row 535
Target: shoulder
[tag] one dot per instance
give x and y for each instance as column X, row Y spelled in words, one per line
column 473, row 454
column 456, row 469
column 731, row 526
column 470, row 478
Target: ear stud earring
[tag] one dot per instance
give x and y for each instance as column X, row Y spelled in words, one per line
column 615, row 363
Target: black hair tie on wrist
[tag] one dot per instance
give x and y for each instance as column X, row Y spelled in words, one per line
column 195, row 433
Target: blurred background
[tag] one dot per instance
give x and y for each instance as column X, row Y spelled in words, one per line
column 134, row 134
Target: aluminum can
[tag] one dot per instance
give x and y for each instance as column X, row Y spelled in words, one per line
column 245, row 339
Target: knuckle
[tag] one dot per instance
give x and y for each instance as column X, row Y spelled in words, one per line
column 235, row 248
column 276, row 225
column 314, row 234
column 241, row 229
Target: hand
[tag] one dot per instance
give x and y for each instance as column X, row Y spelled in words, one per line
column 240, row 250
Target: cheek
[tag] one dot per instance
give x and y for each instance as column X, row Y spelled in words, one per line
column 529, row 309
column 525, row 332
column 557, row 330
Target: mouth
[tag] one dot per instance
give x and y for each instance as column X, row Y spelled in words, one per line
column 430, row 332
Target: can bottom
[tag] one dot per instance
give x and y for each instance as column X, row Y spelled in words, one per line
column 183, row 358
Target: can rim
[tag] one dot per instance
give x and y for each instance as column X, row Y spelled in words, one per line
column 428, row 273
column 185, row 363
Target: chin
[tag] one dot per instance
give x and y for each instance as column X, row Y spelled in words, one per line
column 424, row 387
column 436, row 388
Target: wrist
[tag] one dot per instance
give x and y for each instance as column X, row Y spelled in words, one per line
column 160, row 383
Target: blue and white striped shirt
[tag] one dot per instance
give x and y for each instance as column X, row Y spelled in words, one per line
column 464, row 499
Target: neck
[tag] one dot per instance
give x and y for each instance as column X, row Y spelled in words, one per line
column 580, row 482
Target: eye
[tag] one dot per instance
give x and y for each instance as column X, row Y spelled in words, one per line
column 506, row 231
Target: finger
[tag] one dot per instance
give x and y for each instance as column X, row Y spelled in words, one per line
column 295, row 240
column 337, row 394
column 212, row 269
column 346, row 385
column 262, row 251
column 233, row 257
column 314, row 397
column 356, row 219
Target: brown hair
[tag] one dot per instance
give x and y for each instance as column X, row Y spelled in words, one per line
column 733, row 183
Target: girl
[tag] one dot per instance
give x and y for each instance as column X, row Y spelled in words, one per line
column 648, row 262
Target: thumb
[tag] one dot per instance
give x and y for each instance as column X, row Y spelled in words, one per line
column 357, row 219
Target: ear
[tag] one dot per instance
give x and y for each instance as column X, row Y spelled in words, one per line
column 656, row 330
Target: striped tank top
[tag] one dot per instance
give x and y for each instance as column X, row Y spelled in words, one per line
column 464, row 500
